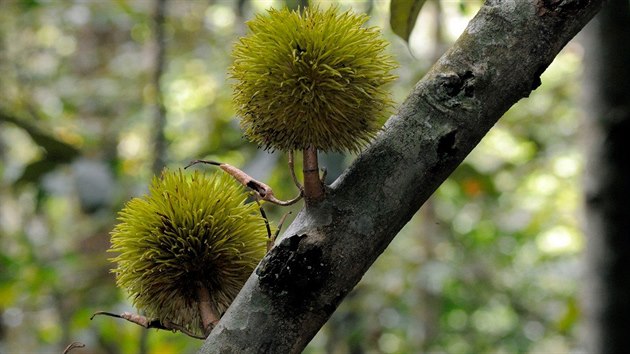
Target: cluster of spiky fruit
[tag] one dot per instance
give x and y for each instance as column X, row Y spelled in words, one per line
column 311, row 78
column 189, row 231
column 304, row 80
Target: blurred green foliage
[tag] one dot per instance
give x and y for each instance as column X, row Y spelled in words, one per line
column 490, row 264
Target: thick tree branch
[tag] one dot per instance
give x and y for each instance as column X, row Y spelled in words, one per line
column 497, row 60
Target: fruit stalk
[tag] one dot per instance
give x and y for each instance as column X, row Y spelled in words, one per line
column 313, row 186
column 208, row 318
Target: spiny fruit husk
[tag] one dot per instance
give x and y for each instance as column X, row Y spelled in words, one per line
column 311, row 78
column 188, row 231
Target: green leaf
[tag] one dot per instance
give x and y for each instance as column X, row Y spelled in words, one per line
column 30, row 4
column 126, row 7
column 403, row 16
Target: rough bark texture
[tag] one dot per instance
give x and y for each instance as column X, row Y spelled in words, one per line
column 607, row 182
column 330, row 245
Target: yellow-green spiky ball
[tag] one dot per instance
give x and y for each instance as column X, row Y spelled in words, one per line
column 311, row 78
column 189, row 231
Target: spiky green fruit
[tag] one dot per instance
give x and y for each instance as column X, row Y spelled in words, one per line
column 190, row 230
column 311, row 78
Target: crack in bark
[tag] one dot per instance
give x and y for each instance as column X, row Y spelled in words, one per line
column 560, row 7
column 447, row 144
column 454, row 84
column 294, row 269
column 454, row 89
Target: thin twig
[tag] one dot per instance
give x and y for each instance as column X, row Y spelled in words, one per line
column 208, row 317
column 264, row 215
column 176, row 327
column 147, row 323
column 264, row 191
column 133, row 318
column 292, row 171
column 313, row 186
column 272, row 238
column 73, row 345
column 282, row 219
column 271, row 242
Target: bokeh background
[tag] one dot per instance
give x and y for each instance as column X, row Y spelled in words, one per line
column 98, row 96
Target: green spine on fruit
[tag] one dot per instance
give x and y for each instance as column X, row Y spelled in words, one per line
column 190, row 230
column 313, row 78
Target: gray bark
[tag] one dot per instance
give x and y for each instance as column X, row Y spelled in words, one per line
column 607, row 180
column 325, row 252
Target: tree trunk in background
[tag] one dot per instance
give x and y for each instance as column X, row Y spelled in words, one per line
column 159, row 124
column 607, row 182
